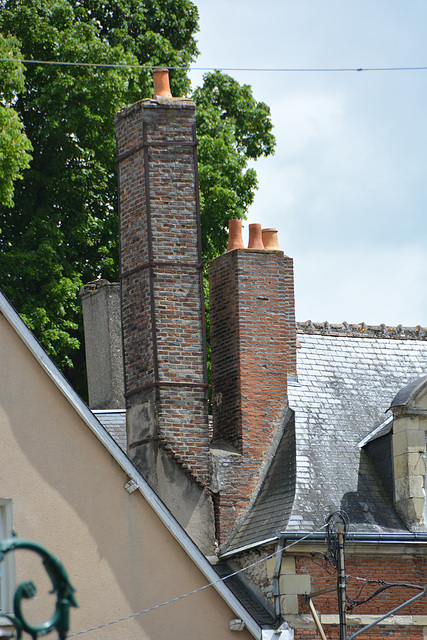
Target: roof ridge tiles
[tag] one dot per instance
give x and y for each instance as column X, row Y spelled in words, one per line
column 363, row 330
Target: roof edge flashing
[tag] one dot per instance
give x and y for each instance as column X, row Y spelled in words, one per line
column 409, row 392
column 374, row 434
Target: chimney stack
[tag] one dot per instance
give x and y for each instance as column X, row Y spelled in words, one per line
column 252, row 329
column 163, row 304
column 253, row 338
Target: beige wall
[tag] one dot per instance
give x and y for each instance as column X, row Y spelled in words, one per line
column 68, row 494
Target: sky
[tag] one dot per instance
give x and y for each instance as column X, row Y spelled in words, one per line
column 347, row 186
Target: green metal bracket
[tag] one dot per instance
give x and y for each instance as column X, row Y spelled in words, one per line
column 61, row 586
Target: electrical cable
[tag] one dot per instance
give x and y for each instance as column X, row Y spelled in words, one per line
column 190, row 593
column 191, row 68
column 355, row 602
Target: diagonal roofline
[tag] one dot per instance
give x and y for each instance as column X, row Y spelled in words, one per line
column 30, row 341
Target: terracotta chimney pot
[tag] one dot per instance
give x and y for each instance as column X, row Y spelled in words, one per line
column 161, row 83
column 235, row 238
column 255, row 237
column 270, row 240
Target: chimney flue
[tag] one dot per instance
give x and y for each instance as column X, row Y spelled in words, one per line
column 253, row 333
column 161, row 83
column 270, row 240
column 163, row 307
column 235, row 239
column 255, row 237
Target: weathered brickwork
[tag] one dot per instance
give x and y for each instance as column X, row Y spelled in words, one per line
column 256, row 562
column 402, row 568
column 162, row 295
column 253, row 352
column 398, row 566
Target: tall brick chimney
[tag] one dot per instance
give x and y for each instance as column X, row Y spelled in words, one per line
column 163, row 307
column 253, row 340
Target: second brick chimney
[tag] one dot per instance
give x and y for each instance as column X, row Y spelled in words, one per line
column 253, row 339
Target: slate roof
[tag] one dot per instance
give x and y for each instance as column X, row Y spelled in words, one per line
column 348, row 375
column 407, row 393
column 114, row 421
column 249, row 600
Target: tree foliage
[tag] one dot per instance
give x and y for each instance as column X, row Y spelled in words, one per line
column 62, row 231
column 14, row 145
column 232, row 129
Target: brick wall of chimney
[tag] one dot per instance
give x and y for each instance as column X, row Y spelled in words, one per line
column 253, row 340
column 161, row 277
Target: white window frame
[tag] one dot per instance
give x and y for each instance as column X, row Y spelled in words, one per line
column 7, row 567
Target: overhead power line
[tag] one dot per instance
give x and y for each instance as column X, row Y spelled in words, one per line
column 190, row 593
column 191, row 68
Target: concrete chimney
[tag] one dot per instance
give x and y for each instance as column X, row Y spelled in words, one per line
column 103, row 344
column 253, row 343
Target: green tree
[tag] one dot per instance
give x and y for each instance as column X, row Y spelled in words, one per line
column 232, row 129
column 62, row 231
column 14, row 145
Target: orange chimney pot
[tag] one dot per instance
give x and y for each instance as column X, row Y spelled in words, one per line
column 161, row 83
column 255, row 237
column 235, row 239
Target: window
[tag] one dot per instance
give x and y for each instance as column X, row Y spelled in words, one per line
column 7, row 567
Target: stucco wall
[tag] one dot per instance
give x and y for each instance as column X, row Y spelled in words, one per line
column 68, row 494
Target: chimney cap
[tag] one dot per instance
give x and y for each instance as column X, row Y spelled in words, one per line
column 270, row 239
column 161, row 82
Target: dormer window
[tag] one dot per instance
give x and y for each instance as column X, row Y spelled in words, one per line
column 409, row 409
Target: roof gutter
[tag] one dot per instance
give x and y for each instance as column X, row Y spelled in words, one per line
column 359, row 536
column 351, row 536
